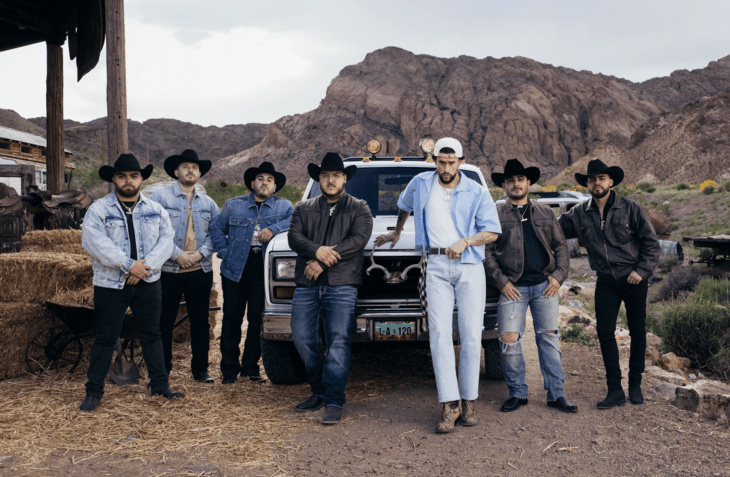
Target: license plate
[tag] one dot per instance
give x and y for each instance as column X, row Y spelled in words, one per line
column 394, row 331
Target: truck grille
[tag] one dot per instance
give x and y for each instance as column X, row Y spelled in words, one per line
column 374, row 286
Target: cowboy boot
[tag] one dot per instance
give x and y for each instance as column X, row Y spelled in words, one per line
column 468, row 416
column 450, row 413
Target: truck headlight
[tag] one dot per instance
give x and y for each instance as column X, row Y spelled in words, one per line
column 285, row 268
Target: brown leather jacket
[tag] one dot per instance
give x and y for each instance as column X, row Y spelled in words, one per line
column 504, row 259
column 350, row 233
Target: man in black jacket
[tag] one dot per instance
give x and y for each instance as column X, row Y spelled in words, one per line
column 528, row 263
column 623, row 250
column 328, row 233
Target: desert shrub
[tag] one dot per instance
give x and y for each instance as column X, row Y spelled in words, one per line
column 667, row 264
column 565, row 186
column 697, row 330
column 725, row 186
column 497, row 193
column 682, row 186
column 709, row 183
column 646, row 187
column 679, row 283
column 719, row 363
column 712, row 291
column 575, row 333
column 708, row 190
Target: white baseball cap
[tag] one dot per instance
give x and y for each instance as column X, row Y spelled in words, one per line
column 448, row 142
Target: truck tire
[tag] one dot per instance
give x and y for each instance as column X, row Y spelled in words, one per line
column 282, row 362
column 493, row 360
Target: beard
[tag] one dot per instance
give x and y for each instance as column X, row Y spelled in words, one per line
column 336, row 194
column 514, row 195
column 262, row 194
column 128, row 192
column 188, row 180
column 445, row 181
column 600, row 195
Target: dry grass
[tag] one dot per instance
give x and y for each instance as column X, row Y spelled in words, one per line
column 182, row 333
column 83, row 297
column 38, row 277
column 51, row 238
column 19, row 322
column 72, row 248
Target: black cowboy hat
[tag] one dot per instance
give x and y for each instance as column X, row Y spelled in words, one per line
column 515, row 168
column 595, row 167
column 331, row 162
column 188, row 155
column 267, row 168
column 125, row 163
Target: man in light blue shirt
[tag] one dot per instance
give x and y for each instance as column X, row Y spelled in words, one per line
column 129, row 237
column 455, row 217
column 189, row 270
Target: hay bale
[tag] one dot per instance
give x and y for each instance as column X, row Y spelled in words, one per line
column 51, row 238
column 72, row 248
column 19, row 322
column 181, row 334
column 83, row 297
column 38, row 277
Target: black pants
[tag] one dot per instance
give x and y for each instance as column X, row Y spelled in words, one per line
column 609, row 295
column 250, row 290
column 196, row 286
column 110, row 305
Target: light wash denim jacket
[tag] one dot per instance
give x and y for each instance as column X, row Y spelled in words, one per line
column 472, row 210
column 176, row 203
column 106, row 237
column 233, row 229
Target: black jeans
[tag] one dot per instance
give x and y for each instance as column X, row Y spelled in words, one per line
column 196, row 286
column 235, row 297
column 110, row 305
column 609, row 295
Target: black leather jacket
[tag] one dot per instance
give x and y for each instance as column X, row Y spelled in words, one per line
column 504, row 258
column 350, row 233
column 627, row 243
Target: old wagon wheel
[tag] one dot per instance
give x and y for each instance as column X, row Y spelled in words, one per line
column 53, row 349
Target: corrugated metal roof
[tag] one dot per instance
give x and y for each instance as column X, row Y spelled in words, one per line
column 20, row 136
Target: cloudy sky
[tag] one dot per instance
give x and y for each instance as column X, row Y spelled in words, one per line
column 218, row 62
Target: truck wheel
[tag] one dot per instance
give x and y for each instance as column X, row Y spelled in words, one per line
column 282, row 362
column 493, row 360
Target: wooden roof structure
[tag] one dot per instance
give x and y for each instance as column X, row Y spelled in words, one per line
column 25, row 22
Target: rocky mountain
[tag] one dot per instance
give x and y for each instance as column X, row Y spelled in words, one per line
column 165, row 137
column 691, row 144
column 546, row 116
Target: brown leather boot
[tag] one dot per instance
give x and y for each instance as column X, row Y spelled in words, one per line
column 449, row 415
column 468, row 416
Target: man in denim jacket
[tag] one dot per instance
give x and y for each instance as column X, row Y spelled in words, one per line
column 189, row 269
column 240, row 235
column 128, row 237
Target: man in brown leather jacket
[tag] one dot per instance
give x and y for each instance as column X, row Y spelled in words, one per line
column 528, row 263
column 328, row 233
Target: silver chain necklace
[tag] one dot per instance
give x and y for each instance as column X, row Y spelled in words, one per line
column 447, row 193
column 130, row 210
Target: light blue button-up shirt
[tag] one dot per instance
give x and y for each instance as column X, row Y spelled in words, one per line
column 106, row 237
column 472, row 210
column 205, row 210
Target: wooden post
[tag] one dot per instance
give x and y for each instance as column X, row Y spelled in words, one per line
column 55, row 158
column 116, row 78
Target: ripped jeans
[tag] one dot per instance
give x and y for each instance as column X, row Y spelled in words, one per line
column 511, row 316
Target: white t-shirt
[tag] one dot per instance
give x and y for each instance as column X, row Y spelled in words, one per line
column 439, row 224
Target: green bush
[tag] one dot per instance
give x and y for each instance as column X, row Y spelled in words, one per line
column 712, row 290
column 667, row 264
column 725, row 186
column 497, row 193
column 680, row 283
column 697, row 330
column 719, row 363
column 575, row 333
column 646, row 187
column 683, row 186
column 564, row 186
column 708, row 190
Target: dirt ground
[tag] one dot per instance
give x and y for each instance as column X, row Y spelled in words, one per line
column 389, row 421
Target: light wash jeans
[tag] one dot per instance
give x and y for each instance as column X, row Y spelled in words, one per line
column 448, row 279
column 511, row 316
column 326, row 375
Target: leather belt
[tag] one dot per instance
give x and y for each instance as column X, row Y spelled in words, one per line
column 437, row 251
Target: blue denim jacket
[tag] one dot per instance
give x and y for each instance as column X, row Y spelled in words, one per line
column 472, row 210
column 106, row 237
column 233, row 229
column 176, row 203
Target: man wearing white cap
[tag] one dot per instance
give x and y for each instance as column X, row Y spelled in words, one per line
column 454, row 218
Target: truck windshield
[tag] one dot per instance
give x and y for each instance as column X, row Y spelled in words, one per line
column 380, row 188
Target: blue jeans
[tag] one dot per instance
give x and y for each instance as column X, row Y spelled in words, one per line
column 511, row 316
column 328, row 375
column 448, row 279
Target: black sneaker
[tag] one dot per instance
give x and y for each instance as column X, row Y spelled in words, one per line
column 168, row 393
column 332, row 414
column 311, row 404
column 635, row 395
column 90, row 403
column 228, row 380
column 203, row 377
column 562, row 404
column 613, row 398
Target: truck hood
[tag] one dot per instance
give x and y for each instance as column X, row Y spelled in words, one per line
column 381, row 225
